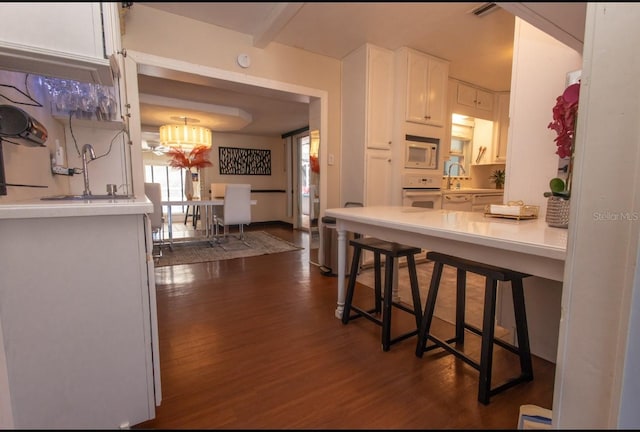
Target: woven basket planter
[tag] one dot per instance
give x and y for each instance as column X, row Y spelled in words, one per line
column 557, row 212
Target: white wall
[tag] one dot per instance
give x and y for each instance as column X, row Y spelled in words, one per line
column 595, row 360
column 539, row 71
column 540, row 65
column 270, row 206
column 216, row 47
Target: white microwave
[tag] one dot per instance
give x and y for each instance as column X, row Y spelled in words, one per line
column 421, row 152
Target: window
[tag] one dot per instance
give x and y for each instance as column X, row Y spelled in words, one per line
column 459, row 153
column 462, row 130
column 172, row 182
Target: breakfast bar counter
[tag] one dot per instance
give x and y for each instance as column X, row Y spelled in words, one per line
column 528, row 246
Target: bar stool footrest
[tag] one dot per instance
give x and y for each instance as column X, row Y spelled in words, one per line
column 506, row 345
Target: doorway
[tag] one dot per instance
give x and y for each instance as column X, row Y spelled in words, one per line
column 308, row 186
column 154, row 66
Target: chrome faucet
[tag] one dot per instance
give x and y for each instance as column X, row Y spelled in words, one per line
column 449, row 173
column 87, row 148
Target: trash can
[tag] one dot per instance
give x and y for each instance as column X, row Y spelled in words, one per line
column 329, row 241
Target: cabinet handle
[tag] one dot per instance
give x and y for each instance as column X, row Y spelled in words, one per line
column 427, row 117
column 487, row 196
column 457, row 198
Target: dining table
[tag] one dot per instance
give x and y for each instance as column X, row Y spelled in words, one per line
column 208, row 215
column 525, row 245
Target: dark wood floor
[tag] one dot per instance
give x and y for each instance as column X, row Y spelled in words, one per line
column 253, row 343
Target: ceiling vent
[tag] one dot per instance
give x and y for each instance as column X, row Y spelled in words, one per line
column 484, row 9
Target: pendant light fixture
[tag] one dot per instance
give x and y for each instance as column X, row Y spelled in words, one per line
column 186, row 135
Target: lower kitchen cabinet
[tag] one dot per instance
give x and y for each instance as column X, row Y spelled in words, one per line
column 470, row 200
column 457, row 201
column 78, row 320
column 480, row 200
column 378, row 178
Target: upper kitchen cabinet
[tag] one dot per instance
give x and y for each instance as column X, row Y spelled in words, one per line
column 371, row 98
column 63, row 40
column 474, row 97
column 426, row 90
column 473, row 101
column 367, row 110
column 502, row 127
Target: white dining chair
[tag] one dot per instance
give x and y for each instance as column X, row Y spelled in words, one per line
column 236, row 210
column 153, row 191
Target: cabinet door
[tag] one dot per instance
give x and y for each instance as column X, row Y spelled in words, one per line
column 59, row 39
column 466, row 95
column 457, row 201
column 426, row 89
column 417, row 80
column 81, row 341
column 380, row 99
column 378, row 178
column 480, row 201
column 437, row 91
column 484, row 100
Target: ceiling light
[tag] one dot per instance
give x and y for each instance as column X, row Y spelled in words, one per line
column 185, row 135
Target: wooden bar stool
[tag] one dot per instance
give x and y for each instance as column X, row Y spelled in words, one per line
column 492, row 275
column 383, row 305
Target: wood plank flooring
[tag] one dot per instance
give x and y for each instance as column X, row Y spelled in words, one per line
column 253, row 343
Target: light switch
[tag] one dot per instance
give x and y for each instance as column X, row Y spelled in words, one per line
column 331, row 160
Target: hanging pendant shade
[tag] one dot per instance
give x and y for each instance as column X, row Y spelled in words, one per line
column 185, row 136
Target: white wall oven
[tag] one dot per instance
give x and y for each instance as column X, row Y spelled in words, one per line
column 422, row 190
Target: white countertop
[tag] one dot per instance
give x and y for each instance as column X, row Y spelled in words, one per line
column 37, row 208
column 532, row 237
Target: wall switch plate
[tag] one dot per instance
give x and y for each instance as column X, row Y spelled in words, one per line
column 331, row 160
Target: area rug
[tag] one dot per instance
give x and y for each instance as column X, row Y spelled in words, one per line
column 260, row 243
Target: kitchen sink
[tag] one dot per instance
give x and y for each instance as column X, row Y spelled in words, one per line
column 85, row 197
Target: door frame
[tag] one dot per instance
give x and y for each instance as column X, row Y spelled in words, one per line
column 136, row 62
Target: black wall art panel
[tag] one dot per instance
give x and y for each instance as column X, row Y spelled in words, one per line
column 243, row 161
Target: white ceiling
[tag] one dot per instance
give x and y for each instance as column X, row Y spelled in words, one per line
column 478, row 47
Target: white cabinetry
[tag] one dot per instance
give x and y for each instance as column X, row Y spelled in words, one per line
column 367, row 91
column 78, row 318
column 426, row 88
column 470, row 201
column 379, row 98
column 502, row 127
column 472, row 101
column 474, row 97
column 479, row 201
column 457, row 201
column 65, row 40
column 378, row 173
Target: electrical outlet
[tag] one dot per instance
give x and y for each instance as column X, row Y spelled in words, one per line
column 62, row 170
